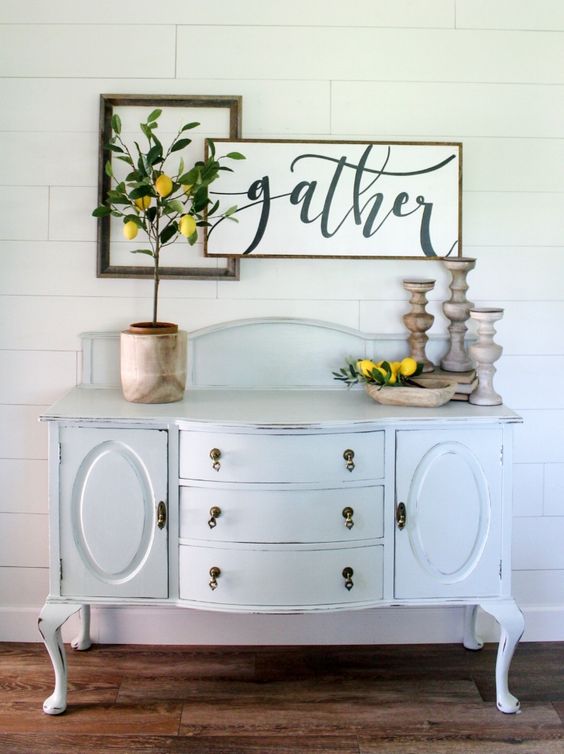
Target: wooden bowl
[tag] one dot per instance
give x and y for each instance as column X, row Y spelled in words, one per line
column 437, row 393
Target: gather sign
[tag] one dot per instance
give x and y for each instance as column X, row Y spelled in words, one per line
column 339, row 199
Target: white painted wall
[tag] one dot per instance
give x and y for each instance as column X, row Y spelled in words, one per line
column 487, row 72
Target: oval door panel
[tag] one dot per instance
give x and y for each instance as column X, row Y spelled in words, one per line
column 112, row 510
column 449, row 512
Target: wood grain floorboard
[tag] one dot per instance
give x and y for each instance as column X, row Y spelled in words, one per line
column 138, row 719
column 451, row 746
column 76, row 744
column 307, row 691
column 234, row 719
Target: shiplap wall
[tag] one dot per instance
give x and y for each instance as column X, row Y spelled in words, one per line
column 487, row 72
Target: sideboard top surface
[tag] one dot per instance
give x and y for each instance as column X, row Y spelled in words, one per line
column 279, row 408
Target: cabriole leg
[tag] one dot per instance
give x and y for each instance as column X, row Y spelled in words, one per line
column 512, row 625
column 82, row 640
column 470, row 639
column 50, row 621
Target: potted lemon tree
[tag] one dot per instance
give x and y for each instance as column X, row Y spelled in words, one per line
column 158, row 205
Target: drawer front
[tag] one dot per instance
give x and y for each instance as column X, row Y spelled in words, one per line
column 273, row 578
column 248, row 515
column 264, row 457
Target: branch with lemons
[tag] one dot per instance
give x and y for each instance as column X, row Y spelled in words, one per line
column 161, row 203
column 381, row 373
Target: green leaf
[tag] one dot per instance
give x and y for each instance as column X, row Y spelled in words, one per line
column 201, row 199
column 124, row 159
column 192, row 177
column 170, row 231
column 236, row 156
column 176, row 206
column 230, row 211
column 211, row 145
column 146, row 130
column 133, row 219
column 142, row 251
column 101, row 211
column 115, row 148
column 180, row 167
column 151, row 213
column 180, row 144
column 193, row 238
column 115, row 213
column 188, row 126
column 140, row 192
column 154, row 115
column 108, row 169
column 155, row 154
column 116, row 123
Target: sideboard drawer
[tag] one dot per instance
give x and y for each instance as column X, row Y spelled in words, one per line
column 244, row 514
column 281, row 577
column 264, row 457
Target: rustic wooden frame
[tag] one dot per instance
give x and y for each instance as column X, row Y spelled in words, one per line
column 104, row 267
column 456, row 145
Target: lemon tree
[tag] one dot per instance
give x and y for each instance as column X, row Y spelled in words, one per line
column 157, row 201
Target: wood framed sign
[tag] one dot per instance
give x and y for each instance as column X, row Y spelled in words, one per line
column 218, row 116
column 339, row 199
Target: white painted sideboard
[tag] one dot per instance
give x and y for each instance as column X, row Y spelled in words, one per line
column 277, row 500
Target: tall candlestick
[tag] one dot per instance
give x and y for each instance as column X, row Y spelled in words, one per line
column 418, row 320
column 457, row 310
column 485, row 352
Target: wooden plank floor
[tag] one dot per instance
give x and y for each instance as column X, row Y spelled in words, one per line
column 437, row 699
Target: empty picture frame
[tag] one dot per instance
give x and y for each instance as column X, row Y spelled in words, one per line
column 340, row 199
column 219, row 116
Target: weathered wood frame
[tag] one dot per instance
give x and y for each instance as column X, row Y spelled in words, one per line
column 104, row 266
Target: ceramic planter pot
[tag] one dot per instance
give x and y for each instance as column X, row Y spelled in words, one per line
column 153, row 363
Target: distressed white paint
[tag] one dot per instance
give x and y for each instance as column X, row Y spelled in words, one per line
column 512, row 135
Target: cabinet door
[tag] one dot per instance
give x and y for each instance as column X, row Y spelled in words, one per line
column 111, row 483
column 450, row 482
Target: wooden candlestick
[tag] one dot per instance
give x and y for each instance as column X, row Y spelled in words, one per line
column 484, row 351
column 457, row 310
column 418, row 320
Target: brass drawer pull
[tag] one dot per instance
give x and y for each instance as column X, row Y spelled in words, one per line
column 348, row 516
column 401, row 515
column 347, row 575
column 161, row 515
column 215, row 573
column 215, row 455
column 348, row 455
column 215, row 513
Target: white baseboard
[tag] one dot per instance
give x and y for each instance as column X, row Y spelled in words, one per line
column 146, row 625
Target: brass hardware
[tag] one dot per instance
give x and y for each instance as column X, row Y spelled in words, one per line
column 348, row 455
column 161, row 515
column 401, row 515
column 215, row 455
column 348, row 516
column 347, row 575
column 215, row 513
column 215, row 572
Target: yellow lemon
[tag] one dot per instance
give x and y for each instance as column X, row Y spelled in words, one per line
column 408, row 366
column 143, row 202
column 130, row 230
column 163, row 185
column 395, row 365
column 393, row 378
column 365, row 366
column 187, row 225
